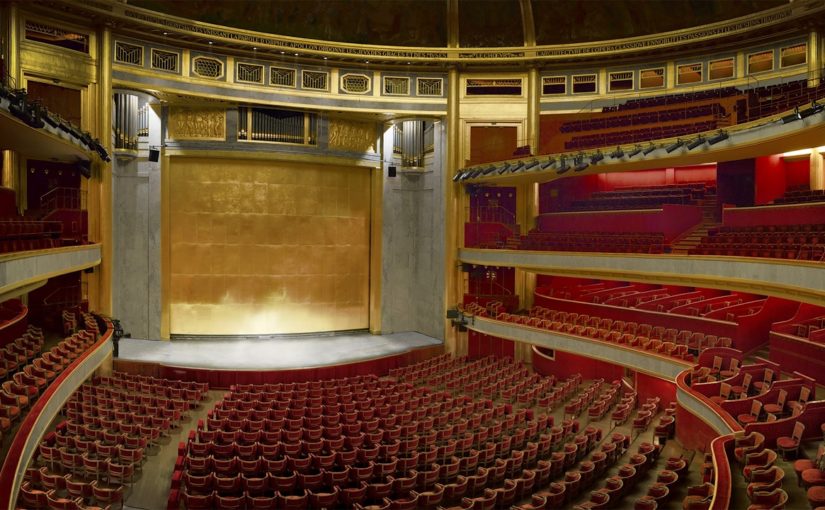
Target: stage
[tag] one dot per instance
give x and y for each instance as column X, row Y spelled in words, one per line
column 224, row 360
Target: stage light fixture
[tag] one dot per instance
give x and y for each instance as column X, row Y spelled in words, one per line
column 503, row 168
column 699, row 140
column 518, row 166
column 579, row 163
column 675, row 145
column 814, row 109
column 792, row 117
column 547, row 164
column 530, row 164
column 718, row 137
column 490, row 169
column 458, row 176
column 563, row 166
column 618, row 153
column 635, row 152
column 595, row 158
column 650, row 148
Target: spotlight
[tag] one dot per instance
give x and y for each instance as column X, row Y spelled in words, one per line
column 563, row 165
column 518, row 166
column 700, row 140
column 650, row 148
column 675, row 145
column 531, row 164
column 547, row 164
column 792, row 117
column 617, row 154
column 580, row 163
column 503, row 168
column 84, row 167
column 490, row 169
column 458, row 175
column 814, row 109
column 635, row 152
column 595, row 158
column 718, row 137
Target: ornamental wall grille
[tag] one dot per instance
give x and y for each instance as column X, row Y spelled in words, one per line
column 396, row 85
column 165, row 60
column 356, row 83
column 126, row 53
column 249, row 73
column 314, row 80
column 207, row 67
column 429, row 86
column 282, row 77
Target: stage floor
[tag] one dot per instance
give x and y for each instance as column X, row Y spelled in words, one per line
column 271, row 353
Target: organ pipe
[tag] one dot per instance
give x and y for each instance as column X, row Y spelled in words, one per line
column 411, row 143
column 125, row 122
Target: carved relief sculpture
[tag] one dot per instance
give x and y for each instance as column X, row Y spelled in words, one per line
column 197, row 123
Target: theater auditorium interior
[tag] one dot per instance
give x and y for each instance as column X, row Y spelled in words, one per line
column 412, row 254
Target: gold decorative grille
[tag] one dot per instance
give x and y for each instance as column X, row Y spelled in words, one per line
column 429, row 86
column 355, row 83
column 689, row 73
column 55, row 36
column 396, row 85
column 281, row 77
column 249, row 73
column 314, row 80
column 720, row 69
column 165, row 60
column 621, row 80
column 652, row 78
column 584, row 84
column 207, row 67
column 793, row 55
column 126, row 53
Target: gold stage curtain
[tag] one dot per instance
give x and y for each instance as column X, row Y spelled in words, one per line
column 260, row 247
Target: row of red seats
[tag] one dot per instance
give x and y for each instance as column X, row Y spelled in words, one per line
column 192, row 390
column 30, row 380
column 89, row 462
column 682, row 97
column 14, row 227
column 599, row 122
column 625, row 242
column 632, row 136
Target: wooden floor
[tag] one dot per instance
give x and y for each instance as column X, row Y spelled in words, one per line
column 273, row 352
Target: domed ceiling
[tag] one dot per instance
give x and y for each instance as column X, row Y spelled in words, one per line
column 481, row 23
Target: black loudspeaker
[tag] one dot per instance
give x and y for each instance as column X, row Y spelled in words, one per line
column 391, row 171
column 452, row 313
column 154, row 155
column 84, row 167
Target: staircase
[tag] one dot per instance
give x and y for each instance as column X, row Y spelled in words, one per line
column 710, row 219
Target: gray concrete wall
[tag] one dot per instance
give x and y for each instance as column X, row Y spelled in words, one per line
column 136, row 239
column 413, row 245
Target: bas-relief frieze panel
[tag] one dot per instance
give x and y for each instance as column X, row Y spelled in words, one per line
column 193, row 123
column 352, row 136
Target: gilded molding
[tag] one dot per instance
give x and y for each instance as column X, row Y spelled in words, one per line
column 137, row 20
column 187, row 123
column 351, row 136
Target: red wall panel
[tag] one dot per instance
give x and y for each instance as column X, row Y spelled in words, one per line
column 566, row 364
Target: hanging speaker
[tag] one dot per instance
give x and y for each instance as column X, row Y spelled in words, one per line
column 154, row 155
column 391, row 171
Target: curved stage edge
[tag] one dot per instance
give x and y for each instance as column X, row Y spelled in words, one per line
column 304, row 369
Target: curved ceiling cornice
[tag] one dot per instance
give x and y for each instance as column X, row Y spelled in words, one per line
column 184, row 32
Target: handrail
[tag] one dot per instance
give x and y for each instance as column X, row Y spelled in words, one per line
column 34, row 426
column 62, row 198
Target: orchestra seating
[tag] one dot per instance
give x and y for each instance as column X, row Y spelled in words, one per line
column 112, row 424
column 617, row 242
column 17, row 234
column 796, row 241
column 652, row 117
column 638, row 135
column 772, row 99
column 646, row 197
column 445, row 432
column 686, row 97
column 801, row 196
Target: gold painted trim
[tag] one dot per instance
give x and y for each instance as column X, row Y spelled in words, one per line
column 577, row 338
column 165, row 246
column 663, row 314
column 104, row 174
column 812, row 296
column 376, row 239
column 5, row 289
column 272, row 156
